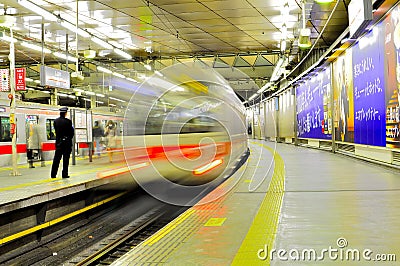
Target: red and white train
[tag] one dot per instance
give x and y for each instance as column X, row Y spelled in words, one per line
column 43, row 116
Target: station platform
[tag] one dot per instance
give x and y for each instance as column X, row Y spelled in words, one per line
column 35, row 186
column 287, row 205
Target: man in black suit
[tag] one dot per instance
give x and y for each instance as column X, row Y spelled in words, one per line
column 64, row 135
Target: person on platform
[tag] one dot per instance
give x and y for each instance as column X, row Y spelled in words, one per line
column 111, row 133
column 98, row 133
column 34, row 143
column 64, row 134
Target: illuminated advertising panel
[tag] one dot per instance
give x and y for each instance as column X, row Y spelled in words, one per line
column 392, row 77
column 313, row 109
column 343, row 100
column 369, row 89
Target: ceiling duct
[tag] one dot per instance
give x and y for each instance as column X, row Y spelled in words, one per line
column 305, row 33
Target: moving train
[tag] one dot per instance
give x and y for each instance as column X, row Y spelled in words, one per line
column 184, row 127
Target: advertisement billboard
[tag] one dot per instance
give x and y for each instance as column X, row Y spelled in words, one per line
column 313, row 109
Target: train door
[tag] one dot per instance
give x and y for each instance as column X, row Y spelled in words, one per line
column 50, row 130
column 30, row 121
column 5, row 135
column 33, row 140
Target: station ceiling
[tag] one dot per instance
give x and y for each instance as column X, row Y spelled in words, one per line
column 239, row 38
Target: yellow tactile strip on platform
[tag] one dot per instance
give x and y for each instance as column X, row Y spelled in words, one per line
column 159, row 247
column 263, row 229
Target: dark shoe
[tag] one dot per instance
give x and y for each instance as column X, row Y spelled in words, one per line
column 31, row 166
column 53, row 177
column 66, row 176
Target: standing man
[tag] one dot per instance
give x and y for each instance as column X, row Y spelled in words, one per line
column 98, row 133
column 64, row 135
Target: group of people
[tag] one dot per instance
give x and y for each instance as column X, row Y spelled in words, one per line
column 110, row 134
column 64, row 134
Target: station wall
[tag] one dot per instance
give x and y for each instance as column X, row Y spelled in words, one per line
column 352, row 103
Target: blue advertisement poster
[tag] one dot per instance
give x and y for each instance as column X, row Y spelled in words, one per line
column 369, row 89
column 392, row 80
column 313, row 108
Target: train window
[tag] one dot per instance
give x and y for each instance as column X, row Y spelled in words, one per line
column 5, row 129
column 50, row 131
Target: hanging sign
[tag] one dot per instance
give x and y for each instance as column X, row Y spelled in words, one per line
column 20, row 74
column 4, row 83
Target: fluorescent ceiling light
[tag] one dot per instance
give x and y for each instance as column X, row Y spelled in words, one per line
column 253, row 96
column 133, row 80
column 46, row 92
column 277, row 69
column 99, row 102
column 35, row 47
column 8, row 38
column 118, row 75
column 285, row 9
column 101, row 42
column 62, row 94
column 159, row 73
column 283, row 46
column 103, row 69
column 28, row 79
column 122, row 53
column 128, row 44
column 116, row 44
column 142, row 77
column 115, row 99
column 284, row 32
column 90, row 93
column 73, row 28
column 147, row 66
column 38, row 10
column 29, row 19
column 100, row 95
column 36, row 81
column 71, row 96
column 63, row 56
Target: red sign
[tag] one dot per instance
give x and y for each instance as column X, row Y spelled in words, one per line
column 12, row 129
column 20, row 79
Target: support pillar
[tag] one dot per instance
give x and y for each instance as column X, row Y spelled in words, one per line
column 13, row 122
column 92, row 101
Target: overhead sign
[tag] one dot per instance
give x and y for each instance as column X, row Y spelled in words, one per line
column 4, row 83
column 360, row 15
column 20, row 74
column 55, row 78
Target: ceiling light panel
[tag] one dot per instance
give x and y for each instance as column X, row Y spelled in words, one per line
column 35, row 47
column 38, row 10
column 123, row 54
column 102, row 43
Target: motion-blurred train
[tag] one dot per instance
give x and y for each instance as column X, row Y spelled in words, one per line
column 184, row 126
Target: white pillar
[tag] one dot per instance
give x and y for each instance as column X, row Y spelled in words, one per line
column 92, row 101
column 54, row 98
column 13, row 121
